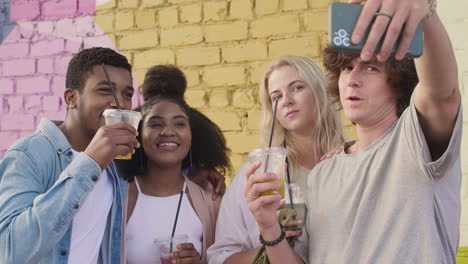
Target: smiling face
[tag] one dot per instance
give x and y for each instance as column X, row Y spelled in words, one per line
column 296, row 105
column 88, row 103
column 365, row 93
column 166, row 134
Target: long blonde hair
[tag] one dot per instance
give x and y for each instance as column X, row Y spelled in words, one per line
column 327, row 132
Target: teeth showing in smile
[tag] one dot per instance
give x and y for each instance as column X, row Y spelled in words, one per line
column 168, row 144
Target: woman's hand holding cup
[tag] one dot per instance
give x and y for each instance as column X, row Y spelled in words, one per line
column 263, row 207
column 186, row 253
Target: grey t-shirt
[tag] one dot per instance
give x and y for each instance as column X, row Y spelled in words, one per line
column 389, row 203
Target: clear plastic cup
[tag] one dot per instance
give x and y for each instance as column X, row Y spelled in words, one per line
column 168, row 245
column 276, row 163
column 113, row 116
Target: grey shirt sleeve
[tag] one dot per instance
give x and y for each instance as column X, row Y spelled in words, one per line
column 419, row 148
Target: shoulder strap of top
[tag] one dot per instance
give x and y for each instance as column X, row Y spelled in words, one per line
column 137, row 185
column 185, row 187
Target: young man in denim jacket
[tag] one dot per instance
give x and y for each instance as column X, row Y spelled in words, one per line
column 61, row 199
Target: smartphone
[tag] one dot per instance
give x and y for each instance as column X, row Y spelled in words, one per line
column 343, row 18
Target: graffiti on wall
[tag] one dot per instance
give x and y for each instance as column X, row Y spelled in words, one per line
column 37, row 40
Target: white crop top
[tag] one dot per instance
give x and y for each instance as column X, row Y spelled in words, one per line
column 153, row 218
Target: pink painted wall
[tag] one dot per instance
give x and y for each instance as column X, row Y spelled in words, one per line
column 37, row 40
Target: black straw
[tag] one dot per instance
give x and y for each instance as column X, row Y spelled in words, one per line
column 288, row 178
column 176, row 218
column 271, row 132
column 112, row 87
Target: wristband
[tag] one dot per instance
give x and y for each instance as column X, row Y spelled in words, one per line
column 274, row 242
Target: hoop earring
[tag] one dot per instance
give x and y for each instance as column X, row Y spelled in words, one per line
column 191, row 169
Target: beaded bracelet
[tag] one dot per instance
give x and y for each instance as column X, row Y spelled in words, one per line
column 274, row 242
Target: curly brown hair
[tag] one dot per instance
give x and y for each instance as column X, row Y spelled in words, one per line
column 401, row 75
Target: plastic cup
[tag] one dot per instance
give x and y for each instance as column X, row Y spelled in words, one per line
column 276, row 164
column 294, row 192
column 113, row 116
column 165, row 245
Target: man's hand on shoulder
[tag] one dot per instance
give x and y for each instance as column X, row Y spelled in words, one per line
column 209, row 179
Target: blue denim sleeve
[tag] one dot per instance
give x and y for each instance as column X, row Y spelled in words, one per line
column 35, row 211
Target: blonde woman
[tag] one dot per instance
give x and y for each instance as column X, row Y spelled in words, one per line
column 306, row 123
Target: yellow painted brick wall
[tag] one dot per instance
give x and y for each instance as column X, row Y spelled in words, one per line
column 223, row 46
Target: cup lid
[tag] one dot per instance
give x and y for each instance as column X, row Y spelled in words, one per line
column 109, row 112
column 266, row 150
column 174, row 238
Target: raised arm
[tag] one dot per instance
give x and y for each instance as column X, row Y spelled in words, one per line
column 264, row 210
column 39, row 197
column 437, row 96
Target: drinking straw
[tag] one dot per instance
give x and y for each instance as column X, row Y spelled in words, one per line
column 112, row 87
column 175, row 221
column 271, row 132
column 269, row 147
column 289, row 182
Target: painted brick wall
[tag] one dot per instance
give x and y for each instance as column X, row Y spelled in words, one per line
column 37, row 40
column 223, row 47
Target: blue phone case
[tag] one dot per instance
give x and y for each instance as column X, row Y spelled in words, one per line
column 343, row 18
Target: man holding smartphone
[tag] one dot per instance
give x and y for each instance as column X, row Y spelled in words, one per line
column 393, row 195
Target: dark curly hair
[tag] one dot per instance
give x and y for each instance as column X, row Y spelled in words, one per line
column 208, row 149
column 164, row 79
column 81, row 65
column 402, row 75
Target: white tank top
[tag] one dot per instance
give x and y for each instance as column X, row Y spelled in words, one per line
column 153, row 218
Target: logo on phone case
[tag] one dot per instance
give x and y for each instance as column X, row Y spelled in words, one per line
column 342, row 38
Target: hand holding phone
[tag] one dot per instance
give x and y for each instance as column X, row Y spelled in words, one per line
column 343, row 20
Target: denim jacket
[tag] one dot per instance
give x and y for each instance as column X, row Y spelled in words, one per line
column 41, row 190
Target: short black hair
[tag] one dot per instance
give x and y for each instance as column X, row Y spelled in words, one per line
column 81, row 65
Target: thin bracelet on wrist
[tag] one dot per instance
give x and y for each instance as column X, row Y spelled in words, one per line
column 274, row 242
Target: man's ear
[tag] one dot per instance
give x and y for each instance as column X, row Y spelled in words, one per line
column 71, row 97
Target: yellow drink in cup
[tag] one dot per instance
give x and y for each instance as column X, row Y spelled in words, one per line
column 275, row 160
column 114, row 116
column 280, row 191
column 126, row 157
